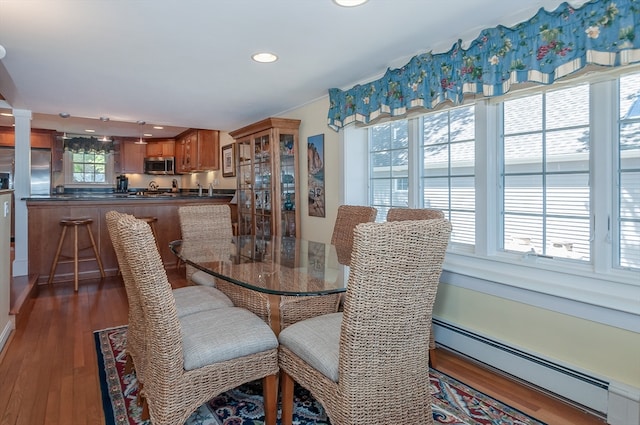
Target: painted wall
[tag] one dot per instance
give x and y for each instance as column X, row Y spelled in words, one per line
column 607, row 352
column 599, row 350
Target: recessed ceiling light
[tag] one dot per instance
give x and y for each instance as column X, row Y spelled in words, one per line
column 90, row 131
column 147, row 134
column 349, row 3
column 158, row 127
column 264, row 57
column 6, row 114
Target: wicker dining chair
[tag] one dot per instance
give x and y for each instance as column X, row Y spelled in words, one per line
column 199, row 222
column 349, row 216
column 209, row 222
column 189, row 299
column 294, row 309
column 194, row 358
column 369, row 363
column 401, row 214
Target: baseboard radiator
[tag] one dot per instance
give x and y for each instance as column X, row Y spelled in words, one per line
column 619, row 404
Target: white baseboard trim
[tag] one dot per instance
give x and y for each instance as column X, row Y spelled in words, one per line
column 6, row 332
column 624, row 405
column 618, row 403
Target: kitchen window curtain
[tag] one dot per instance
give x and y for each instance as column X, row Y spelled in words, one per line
column 87, row 145
column 546, row 47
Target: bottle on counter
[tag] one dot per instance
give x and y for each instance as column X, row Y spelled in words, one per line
column 210, row 190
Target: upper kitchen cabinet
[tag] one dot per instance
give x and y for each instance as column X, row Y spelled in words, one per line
column 160, row 147
column 131, row 156
column 197, row 150
column 39, row 138
column 267, row 173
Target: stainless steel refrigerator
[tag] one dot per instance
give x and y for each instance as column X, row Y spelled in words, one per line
column 40, row 169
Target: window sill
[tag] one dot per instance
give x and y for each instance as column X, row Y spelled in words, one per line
column 563, row 288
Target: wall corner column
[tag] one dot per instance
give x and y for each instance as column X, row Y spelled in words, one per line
column 22, row 186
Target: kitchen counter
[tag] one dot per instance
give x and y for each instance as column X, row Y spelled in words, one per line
column 45, row 213
column 93, row 196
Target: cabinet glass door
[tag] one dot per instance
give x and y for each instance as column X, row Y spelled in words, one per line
column 262, row 184
column 287, row 184
column 245, row 195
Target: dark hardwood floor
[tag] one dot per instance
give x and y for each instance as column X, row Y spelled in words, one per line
column 48, row 372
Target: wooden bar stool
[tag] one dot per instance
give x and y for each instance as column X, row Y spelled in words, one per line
column 151, row 220
column 75, row 222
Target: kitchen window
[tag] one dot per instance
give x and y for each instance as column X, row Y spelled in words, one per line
column 88, row 169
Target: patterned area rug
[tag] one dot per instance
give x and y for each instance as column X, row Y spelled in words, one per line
column 454, row 403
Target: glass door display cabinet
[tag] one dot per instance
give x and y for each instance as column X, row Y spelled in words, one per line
column 267, row 176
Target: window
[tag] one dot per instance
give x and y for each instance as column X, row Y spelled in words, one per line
column 89, row 167
column 627, row 227
column 545, row 178
column 402, row 184
column 551, row 173
column 389, row 166
column 448, row 160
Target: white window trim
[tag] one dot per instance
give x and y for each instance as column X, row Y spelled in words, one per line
column 581, row 290
column 67, row 161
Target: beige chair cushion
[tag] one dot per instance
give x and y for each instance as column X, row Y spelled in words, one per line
column 317, row 342
column 203, row 278
column 193, row 299
column 215, row 336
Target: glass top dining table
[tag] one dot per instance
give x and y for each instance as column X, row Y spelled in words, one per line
column 273, row 265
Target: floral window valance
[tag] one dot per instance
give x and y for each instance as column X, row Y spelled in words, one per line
column 87, row 145
column 546, row 47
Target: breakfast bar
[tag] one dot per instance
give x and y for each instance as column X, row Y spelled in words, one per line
column 45, row 213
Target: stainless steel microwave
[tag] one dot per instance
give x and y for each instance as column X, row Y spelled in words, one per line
column 159, row 165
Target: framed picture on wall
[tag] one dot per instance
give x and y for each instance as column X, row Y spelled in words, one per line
column 315, row 168
column 228, row 161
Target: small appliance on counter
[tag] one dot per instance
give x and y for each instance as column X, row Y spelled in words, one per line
column 122, row 183
column 4, row 180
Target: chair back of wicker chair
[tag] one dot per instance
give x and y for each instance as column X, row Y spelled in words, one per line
column 348, row 217
column 135, row 347
column 202, row 222
column 400, row 214
column 171, row 392
column 383, row 372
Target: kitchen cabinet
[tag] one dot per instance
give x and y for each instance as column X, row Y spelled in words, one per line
column 160, row 147
column 197, row 150
column 131, row 156
column 39, row 138
column 267, row 177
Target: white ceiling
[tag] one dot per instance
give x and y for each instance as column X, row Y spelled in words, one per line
column 186, row 63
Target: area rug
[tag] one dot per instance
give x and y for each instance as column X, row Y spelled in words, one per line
column 453, row 402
